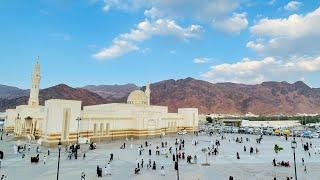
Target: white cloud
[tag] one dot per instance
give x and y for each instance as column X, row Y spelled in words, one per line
column 295, row 35
column 293, row 26
column 292, row 5
column 118, row 48
column 233, row 24
column 106, row 8
column 255, row 46
column 204, row 11
column 201, row 60
column 256, row 71
column 146, row 29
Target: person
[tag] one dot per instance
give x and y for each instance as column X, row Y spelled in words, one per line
column 49, row 152
column 305, row 169
column 176, row 166
column 138, row 163
column 84, row 156
column 83, row 176
column 244, row 148
column 99, row 171
column 136, row 170
column 105, row 171
column 302, row 161
column 195, row 159
column 3, row 176
column 109, row 169
column 111, row 157
column 274, row 162
column 230, row 177
column 141, row 163
column 44, row 159
column 154, row 165
column 149, row 152
column 162, row 171
column 238, row 156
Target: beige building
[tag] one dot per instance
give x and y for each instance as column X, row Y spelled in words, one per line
column 64, row 119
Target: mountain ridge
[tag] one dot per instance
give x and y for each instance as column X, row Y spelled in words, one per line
column 269, row 97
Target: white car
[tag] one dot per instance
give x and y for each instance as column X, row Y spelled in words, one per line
column 183, row 132
column 315, row 135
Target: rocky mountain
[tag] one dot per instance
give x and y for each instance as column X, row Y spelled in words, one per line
column 265, row 98
column 112, row 91
column 60, row 91
column 9, row 92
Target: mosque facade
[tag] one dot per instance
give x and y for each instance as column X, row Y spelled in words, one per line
column 68, row 121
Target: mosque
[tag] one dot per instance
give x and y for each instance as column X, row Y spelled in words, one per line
column 67, row 120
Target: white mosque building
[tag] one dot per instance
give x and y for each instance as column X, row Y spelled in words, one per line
column 63, row 120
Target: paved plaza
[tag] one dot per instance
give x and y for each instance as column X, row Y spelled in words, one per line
column 225, row 164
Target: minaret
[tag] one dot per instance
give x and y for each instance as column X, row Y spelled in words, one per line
column 148, row 92
column 34, row 90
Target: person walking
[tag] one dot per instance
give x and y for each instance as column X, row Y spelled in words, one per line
column 154, row 167
column 44, row 159
column 141, row 163
column 162, row 171
column 111, row 157
column 83, row 176
column 305, row 169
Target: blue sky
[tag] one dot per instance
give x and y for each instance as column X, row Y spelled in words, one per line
column 120, row 41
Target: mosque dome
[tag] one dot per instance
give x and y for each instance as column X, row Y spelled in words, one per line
column 137, row 97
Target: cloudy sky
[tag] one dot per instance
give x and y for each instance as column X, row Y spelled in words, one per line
column 135, row 41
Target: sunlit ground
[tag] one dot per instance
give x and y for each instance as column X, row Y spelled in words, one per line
column 256, row 166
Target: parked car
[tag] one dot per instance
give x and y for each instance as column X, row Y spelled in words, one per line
column 182, row 132
column 235, row 130
column 315, row 135
column 306, row 134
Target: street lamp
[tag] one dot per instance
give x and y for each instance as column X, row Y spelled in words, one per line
column 294, row 146
column 78, row 119
column 2, row 129
column 59, row 149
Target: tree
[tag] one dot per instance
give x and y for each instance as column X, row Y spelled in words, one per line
column 209, row 119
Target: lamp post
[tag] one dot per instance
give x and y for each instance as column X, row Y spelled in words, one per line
column 77, row 145
column 177, row 162
column 294, row 146
column 59, row 149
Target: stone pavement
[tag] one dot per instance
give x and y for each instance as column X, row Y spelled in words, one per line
column 249, row 167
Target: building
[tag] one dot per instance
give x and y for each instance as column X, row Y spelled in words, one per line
column 64, row 120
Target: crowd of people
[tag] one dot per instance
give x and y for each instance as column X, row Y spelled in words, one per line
column 151, row 155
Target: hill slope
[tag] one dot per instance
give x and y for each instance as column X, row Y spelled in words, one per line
column 264, row 98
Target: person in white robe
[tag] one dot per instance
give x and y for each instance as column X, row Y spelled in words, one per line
column 109, row 169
